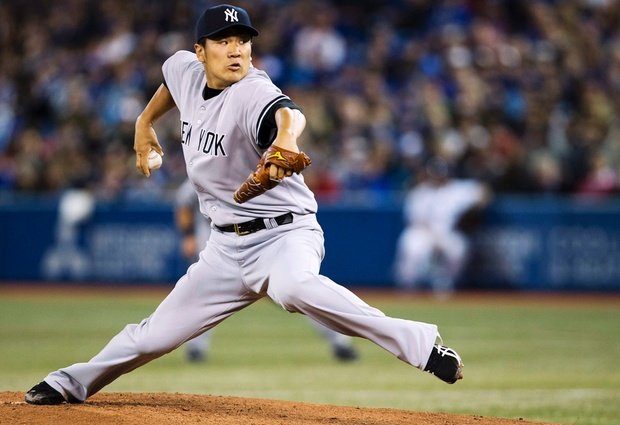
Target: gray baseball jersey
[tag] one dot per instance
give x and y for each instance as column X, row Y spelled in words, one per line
column 221, row 134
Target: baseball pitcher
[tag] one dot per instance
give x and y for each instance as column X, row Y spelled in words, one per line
column 238, row 133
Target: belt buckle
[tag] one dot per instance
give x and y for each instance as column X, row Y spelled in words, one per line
column 239, row 232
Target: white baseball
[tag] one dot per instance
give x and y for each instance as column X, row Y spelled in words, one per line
column 155, row 160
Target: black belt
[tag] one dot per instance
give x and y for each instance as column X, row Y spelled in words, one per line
column 256, row 225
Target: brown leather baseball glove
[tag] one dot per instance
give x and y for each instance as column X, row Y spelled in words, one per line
column 259, row 182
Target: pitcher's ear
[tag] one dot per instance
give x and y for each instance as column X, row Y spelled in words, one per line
column 200, row 52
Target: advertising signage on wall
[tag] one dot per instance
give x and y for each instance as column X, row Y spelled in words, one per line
column 534, row 244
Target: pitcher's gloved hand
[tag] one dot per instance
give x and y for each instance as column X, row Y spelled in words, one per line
column 260, row 180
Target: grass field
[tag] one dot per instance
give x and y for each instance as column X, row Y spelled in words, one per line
column 537, row 358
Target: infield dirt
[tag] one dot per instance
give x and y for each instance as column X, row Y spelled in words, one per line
column 173, row 409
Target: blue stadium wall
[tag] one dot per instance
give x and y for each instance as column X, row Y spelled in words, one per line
column 520, row 243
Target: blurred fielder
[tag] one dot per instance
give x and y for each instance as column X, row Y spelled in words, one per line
column 433, row 247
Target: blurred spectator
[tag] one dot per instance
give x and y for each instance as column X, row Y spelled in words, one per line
column 521, row 95
column 318, row 49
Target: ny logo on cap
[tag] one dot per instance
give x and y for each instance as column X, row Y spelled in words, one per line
column 232, row 15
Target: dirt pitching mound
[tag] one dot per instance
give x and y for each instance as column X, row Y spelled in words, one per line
column 164, row 408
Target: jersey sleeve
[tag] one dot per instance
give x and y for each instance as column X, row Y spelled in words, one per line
column 260, row 99
column 174, row 68
column 267, row 128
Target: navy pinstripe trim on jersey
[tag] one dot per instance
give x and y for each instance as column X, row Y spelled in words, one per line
column 261, row 117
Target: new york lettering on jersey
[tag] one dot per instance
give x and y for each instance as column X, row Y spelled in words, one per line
column 186, row 132
column 209, row 143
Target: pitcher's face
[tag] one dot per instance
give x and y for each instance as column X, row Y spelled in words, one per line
column 226, row 59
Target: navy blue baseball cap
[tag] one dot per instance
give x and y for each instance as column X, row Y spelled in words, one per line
column 221, row 17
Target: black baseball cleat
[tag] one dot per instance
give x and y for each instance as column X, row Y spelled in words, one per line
column 345, row 353
column 445, row 364
column 43, row 393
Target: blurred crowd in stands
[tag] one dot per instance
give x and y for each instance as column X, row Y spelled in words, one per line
column 522, row 95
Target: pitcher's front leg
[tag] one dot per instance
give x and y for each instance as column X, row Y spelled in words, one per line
column 295, row 284
column 210, row 292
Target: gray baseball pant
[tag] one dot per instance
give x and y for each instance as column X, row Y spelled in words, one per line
column 232, row 273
